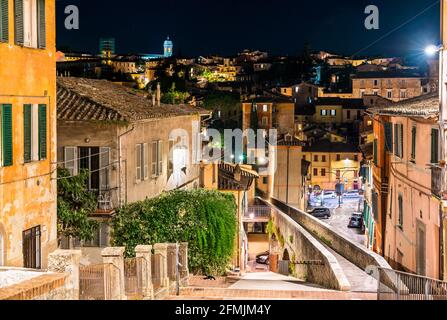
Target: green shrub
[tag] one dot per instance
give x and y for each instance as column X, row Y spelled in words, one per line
column 205, row 219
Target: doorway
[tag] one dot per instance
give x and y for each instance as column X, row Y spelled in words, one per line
column 32, row 248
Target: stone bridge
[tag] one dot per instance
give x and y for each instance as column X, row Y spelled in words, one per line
column 321, row 255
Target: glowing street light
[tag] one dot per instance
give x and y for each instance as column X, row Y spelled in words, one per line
column 431, row 50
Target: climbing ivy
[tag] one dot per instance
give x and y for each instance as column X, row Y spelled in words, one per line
column 205, row 219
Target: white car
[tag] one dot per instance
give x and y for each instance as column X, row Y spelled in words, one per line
column 351, row 194
column 329, row 195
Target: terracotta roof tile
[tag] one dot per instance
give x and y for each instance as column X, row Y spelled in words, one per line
column 426, row 106
column 88, row 99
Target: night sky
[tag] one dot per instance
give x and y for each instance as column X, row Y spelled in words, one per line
column 200, row 27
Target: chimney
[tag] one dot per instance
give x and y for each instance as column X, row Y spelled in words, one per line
column 158, row 93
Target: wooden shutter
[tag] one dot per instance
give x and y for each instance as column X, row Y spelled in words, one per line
column 154, row 159
column 434, row 146
column 42, row 114
column 27, row 132
column 19, row 35
column 170, row 166
column 104, row 165
column 138, row 161
column 41, row 25
column 4, row 21
column 145, row 161
column 388, row 137
column 70, row 159
column 396, row 139
column 7, row 135
column 413, row 143
column 160, row 157
column 401, row 141
column 375, row 151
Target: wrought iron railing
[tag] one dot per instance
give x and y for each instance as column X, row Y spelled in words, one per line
column 396, row 285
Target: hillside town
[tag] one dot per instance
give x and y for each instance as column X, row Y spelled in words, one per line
column 158, row 176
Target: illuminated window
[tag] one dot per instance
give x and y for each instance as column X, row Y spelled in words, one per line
column 265, row 108
column 389, row 94
column 333, row 113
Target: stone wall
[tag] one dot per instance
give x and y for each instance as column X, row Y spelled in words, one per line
column 49, row 286
column 355, row 253
column 302, row 247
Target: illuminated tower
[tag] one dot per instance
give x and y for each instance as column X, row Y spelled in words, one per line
column 167, row 45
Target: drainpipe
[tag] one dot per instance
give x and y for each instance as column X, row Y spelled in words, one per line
column 120, row 200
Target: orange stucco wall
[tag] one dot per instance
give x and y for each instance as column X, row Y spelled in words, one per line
column 27, row 192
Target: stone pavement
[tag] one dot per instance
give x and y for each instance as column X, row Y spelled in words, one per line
column 246, row 294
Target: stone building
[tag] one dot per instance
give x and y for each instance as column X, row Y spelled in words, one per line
column 409, row 218
column 395, row 85
column 28, row 128
column 134, row 147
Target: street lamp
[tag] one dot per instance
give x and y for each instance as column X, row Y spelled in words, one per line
column 432, row 49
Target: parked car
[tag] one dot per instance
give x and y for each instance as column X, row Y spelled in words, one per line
column 356, row 221
column 351, row 194
column 263, row 258
column 321, row 213
column 329, row 195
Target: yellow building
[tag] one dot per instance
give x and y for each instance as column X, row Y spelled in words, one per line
column 28, row 132
column 333, row 162
column 337, row 110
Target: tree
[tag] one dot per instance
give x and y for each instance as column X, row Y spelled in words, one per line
column 74, row 205
column 206, row 219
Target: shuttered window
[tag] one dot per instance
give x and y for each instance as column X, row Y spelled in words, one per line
column 41, row 29
column 375, row 205
column 413, row 144
column 138, row 162
column 104, row 164
column 160, row 157
column 400, row 203
column 434, row 146
column 27, row 133
column 375, row 152
column 71, row 161
column 7, row 153
column 42, row 115
column 145, row 161
column 4, row 21
column 388, row 137
column 398, row 140
column 19, row 34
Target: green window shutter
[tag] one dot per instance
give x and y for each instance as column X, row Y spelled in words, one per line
column 375, row 151
column 7, row 135
column 27, row 132
column 19, row 35
column 434, row 146
column 4, row 21
column 413, row 143
column 388, row 137
column 42, row 114
column 41, row 34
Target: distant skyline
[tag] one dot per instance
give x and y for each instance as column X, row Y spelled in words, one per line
column 201, row 27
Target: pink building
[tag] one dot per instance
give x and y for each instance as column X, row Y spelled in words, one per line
column 413, row 229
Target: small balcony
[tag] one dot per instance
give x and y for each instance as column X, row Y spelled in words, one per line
column 257, row 214
column 436, row 181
